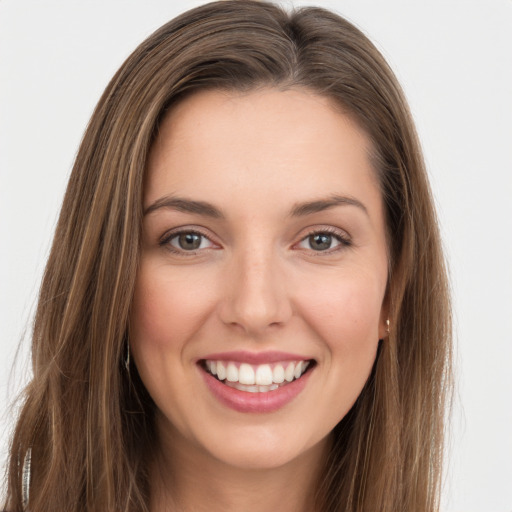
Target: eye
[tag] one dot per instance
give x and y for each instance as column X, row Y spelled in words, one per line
column 186, row 241
column 324, row 241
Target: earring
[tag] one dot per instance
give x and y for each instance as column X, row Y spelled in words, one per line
column 127, row 357
column 387, row 327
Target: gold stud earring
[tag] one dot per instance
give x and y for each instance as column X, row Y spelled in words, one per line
column 387, row 327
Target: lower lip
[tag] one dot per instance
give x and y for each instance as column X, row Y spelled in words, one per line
column 244, row 401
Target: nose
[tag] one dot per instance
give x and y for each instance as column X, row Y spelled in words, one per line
column 255, row 294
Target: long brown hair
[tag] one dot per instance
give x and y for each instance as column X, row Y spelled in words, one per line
column 87, row 420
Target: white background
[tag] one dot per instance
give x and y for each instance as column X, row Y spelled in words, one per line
column 454, row 60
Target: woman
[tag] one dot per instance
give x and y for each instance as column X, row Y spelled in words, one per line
column 245, row 306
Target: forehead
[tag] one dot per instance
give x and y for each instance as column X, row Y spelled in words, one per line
column 256, row 144
column 260, row 113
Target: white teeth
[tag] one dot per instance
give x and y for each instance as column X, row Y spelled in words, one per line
column 256, row 378
column 252, row 389
column 246, row 374
column 232, row 373
column 289, row 372
column 263, row 375
column 298, row 370
column 221, row 370
column 278, row 374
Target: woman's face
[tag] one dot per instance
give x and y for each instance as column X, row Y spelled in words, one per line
column 259, row 299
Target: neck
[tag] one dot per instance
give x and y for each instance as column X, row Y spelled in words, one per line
column 186, row 480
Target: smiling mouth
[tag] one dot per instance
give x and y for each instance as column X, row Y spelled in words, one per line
column 260, row 378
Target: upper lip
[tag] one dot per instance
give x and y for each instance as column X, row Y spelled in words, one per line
column 241, row 356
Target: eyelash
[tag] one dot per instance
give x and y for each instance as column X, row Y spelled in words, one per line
column 343, row 239
column 166, row 239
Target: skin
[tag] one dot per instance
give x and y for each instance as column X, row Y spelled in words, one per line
column 256, row 283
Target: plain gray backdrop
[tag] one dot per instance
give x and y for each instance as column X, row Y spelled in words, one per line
column 454, row 60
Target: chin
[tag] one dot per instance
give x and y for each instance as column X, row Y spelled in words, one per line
column 260, row 447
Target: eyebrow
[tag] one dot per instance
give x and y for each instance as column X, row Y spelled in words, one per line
column 307, row 208
column 209, row 210
column 185, row 205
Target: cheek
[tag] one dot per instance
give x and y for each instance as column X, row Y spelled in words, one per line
column 168, row 310
column 345, row 312
column 168, row 307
